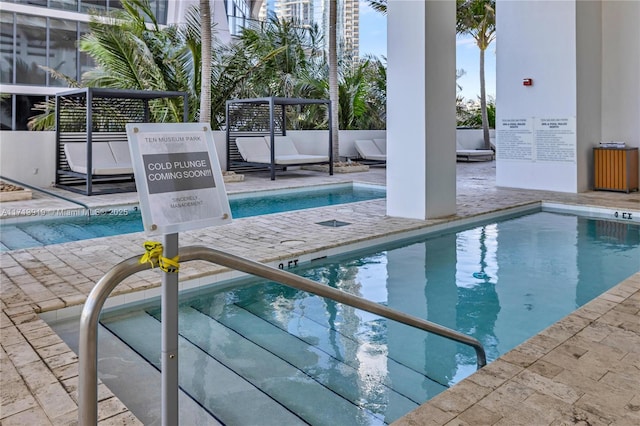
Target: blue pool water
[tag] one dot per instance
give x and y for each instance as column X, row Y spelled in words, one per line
column 266, row 354
column 122, row 221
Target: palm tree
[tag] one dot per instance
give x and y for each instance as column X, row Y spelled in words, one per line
column 205, row 74
column 333, row 77
column 477, row 18
column 378, row 5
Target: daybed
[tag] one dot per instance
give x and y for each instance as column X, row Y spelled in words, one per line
column 372, row 149
column 257, row 135
column 92, row 149
column 109, row 157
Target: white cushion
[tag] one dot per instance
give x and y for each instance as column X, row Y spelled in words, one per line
column 103, row 162
column 381, row 143
column 253, row 150
column 300, row 159
column 284, row 145
column 369, row 150
column 121, row 153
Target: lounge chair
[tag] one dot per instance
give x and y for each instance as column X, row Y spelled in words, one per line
column 368, row 149
column 474, row 154
column 288, row 153
column 381, row 143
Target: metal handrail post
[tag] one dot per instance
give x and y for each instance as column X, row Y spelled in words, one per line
column 88, row 349
column 169, row 344
column 88, row 344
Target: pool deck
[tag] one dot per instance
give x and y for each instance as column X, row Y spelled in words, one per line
column 583, row 370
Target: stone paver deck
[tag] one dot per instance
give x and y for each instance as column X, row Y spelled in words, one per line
column 585, row 369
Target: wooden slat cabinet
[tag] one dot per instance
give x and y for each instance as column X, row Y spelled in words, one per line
column 616, row 169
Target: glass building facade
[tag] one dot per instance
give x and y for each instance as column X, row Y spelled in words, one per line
column 44, row 33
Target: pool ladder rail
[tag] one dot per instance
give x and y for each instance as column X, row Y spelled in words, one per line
column 44, row 191
column 88, row 347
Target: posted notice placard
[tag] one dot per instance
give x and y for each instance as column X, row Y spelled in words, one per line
column 178, row 177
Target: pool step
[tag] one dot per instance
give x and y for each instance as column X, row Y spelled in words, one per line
column 385, row 377
column 15, row 238
column 306, row 391
column 230, row 398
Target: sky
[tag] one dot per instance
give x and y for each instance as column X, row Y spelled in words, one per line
column 373, row 40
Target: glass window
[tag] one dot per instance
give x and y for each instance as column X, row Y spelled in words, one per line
column 6, row 47
column 24, row 110
column 159, row 8
column 31, row 49
column 89, row 5
column 62, row 50
column 6, row 111
column 117, row 4
column 86, row 62
column 64, row 4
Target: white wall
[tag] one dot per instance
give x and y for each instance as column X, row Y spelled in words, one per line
column 621, row 71
column 28, row 157
column 316, row 142
column 536, row 39
column 584, row 58
column 473, row 138
column 22, row 153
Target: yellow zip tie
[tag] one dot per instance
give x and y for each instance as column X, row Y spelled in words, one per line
column 153, row 255
column 169, row 265
column 153, row 251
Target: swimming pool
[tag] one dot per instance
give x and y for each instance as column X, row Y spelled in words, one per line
column 75, row 226
column 293, row 355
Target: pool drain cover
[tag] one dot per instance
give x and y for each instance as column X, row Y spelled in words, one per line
column 333, row 223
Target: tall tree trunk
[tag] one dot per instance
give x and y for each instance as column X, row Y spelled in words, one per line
column 205, row 70
column 333, row 77
column 483, row 104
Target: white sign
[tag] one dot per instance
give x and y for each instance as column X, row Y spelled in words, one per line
column 556, row 139
column 537, row 139
column 178, row 177
column 514, row 139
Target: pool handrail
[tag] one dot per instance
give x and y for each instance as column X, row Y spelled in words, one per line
column 44, row 191
column 88, row 345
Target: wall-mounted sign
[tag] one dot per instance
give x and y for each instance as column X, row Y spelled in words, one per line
column 536, row 139
column 555, row 139
column 178, row 177
column 514, row 139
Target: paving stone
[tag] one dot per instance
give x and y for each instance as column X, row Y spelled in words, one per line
column 480, row 416
column 32, row 416
column 628, row 381
column 110, row 407
column 15, row 398
column 495, row 374
column 545, row 369
column 126, row 418
column 623, row 340
column 21, row 354
column 11, row 336
column 548, row 387
column 427, row 414
column 36, row 375
column 54, row 400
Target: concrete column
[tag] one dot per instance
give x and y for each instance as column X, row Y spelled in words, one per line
column 421, row 120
